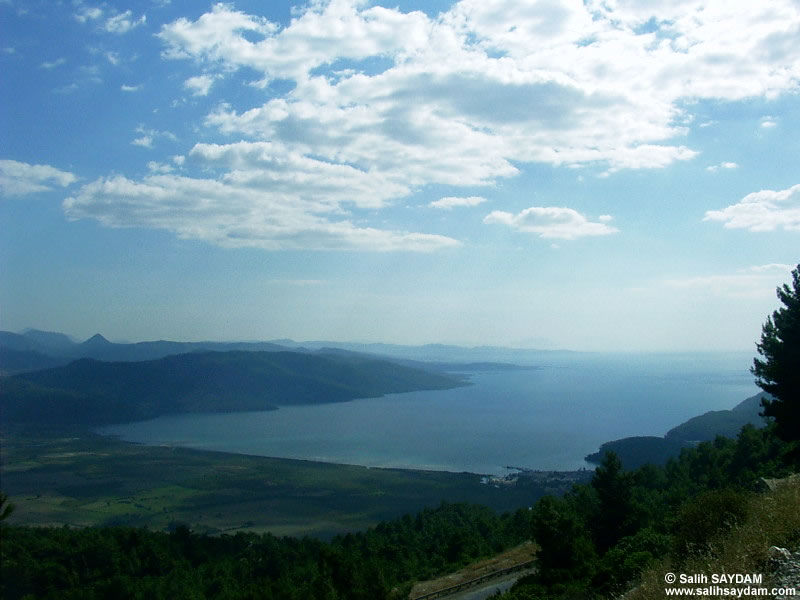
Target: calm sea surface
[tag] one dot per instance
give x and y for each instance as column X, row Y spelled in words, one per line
column 547, row 418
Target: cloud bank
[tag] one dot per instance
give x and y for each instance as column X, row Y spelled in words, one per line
column 363, row 105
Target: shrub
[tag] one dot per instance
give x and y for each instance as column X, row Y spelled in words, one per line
column 705, row 517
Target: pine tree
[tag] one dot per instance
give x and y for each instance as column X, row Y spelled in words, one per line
column 779, row 371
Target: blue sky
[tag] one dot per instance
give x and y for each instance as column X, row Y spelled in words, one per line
column 588, row 175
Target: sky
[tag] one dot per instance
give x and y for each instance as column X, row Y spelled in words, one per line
column 587, row 175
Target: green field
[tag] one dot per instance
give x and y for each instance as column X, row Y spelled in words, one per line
column 77, row 478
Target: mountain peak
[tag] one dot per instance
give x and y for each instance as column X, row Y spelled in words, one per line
column 96, row 340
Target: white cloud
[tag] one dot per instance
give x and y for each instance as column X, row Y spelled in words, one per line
column 552, row 222
column 130, row 88
column 768, row 122
column 453, row 201
column 558, row 83
column 723, row 165
column 19, row 179
column 767, row 210
column 233, row 214
column 199, row 85
column 523, row 106
column 123, row 22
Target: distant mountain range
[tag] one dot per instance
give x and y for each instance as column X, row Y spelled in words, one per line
column 92, row 392
column 639, row 450
column 441, row 353
column 34, row 349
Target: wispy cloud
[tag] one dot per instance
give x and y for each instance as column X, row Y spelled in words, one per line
column 767, row 210
column 123, row 22
column 552, row 222
column 67, row 88
column 233, row 214
column 723, row 165
column 771, row 268
column 751, row 282
column 87, row 13
column 453, row 201
column 20, row 179
column 145, row 141
column 130, row 88
column 148, row 136
column 157, row 167
column 53, row 63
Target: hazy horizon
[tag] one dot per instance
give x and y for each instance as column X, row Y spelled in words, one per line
column 78, row 339
column 591, row 176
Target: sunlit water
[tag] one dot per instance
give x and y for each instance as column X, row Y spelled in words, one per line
column 547, row 418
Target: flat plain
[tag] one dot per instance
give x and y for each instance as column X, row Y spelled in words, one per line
column 77, row 478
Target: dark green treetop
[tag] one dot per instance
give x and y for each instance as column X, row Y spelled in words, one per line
column 779, row 371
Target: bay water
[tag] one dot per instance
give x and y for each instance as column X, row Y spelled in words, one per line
column 547, row 417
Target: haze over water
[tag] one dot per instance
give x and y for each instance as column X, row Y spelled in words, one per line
column 547, row 418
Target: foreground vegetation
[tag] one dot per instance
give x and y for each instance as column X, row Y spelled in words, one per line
column 135, row 563
column 772, row 519
column 594, row 541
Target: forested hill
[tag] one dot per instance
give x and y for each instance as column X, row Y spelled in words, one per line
column 639, row 450
column 93, row 392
